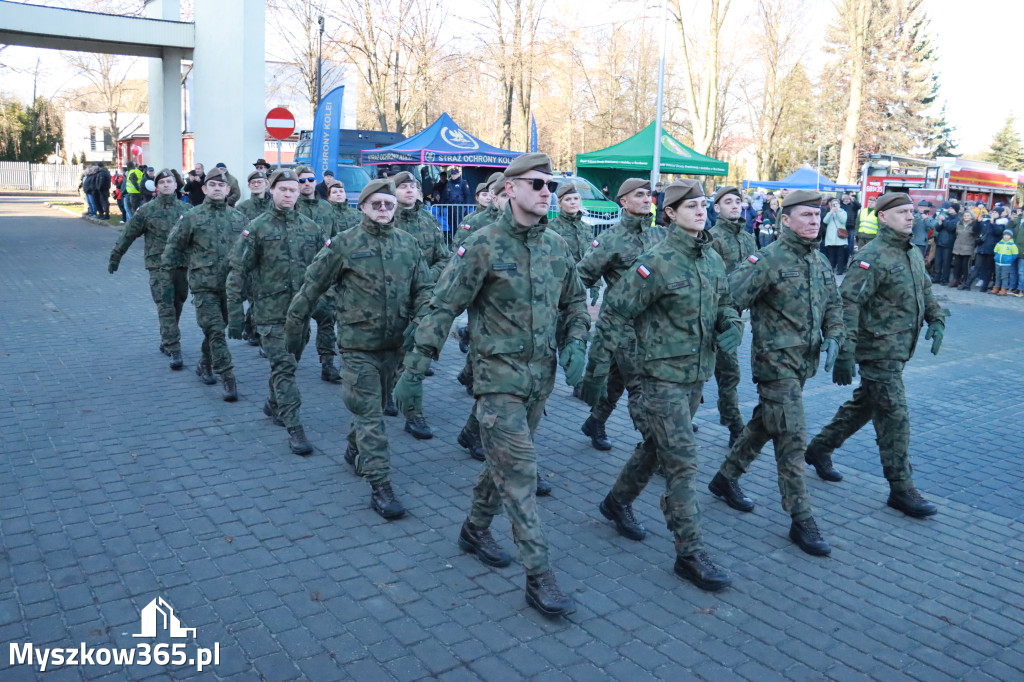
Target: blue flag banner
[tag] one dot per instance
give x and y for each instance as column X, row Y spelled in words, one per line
column 533, row 133
column 326, row 127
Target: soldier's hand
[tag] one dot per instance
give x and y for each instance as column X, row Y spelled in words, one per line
column 844, row 371
column 573, row 359
column 408, row 393
column 294, row 338
column 593, row 388
column 831, row 348
column 235, row 328
column 409, row 337
column 935, row 332
column 113, row 264
column 595, row 293
column 729, row 340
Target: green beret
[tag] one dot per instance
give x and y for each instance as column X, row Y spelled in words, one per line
column 378, row 186
column 220, row 174
column 727, row 189
column 892, row 200
column 680, row 190
column 299, row 170
column 482, row 187
column 528, row 162
column 802, row 197
column 498, row 184
column 165, row 173
column 631, row 185
column 331, row 183
column 253, row 176
column 567, row 187
column 282, row 174
column 403, row 177
column 495, row 176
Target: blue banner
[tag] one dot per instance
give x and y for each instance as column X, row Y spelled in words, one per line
column 533, row 133
column 325, row 133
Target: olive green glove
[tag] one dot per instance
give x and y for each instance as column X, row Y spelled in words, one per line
column 573, row 359
column 595, row 384
column 115, row 261
column 831, row 348
column 295, row 337
column 935, row 332
column 408, row 393
column 235, row 328
column 845, row 369
column 729, row 340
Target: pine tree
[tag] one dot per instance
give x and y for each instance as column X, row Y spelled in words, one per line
column 941, row 137
column 1006, row 147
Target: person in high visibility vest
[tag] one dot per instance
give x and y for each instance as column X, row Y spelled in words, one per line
column 133, row 188
column 867, row 224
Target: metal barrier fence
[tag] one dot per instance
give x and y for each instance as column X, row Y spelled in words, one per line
column 40, row 177
column 450, row 216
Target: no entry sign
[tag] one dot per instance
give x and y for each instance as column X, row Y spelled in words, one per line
column 280, row 123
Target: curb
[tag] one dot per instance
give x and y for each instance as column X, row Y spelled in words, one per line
column 77, row 214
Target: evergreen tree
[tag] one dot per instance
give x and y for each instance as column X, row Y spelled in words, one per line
column 1006, row 147
column 941, row 137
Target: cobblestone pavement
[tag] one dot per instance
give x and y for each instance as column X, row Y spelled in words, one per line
column 121, row 482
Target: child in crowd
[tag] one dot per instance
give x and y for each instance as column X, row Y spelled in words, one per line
column 1006, row 260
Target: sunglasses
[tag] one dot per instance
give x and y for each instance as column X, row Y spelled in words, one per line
column 538, row 183
column 381, row 205
column 303, row 181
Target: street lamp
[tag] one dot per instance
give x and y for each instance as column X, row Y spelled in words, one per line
column 319, row 60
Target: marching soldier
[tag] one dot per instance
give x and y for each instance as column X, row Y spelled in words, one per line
column 676, row 297
column 202, row 239
column 795, row 313
column 272, row 257
column 483, row 200
column 570, row 226
column 259, row 201
column 168, row 286
column 516, row 279
column 490, row 213
column 734, row 244
column 382, row 285
column 887, row 297
column 234, row 193
column 345, row 217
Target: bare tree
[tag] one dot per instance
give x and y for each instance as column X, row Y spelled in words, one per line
column 853, row 29
column 702, row 76
column 108, row 75
column 298, row 28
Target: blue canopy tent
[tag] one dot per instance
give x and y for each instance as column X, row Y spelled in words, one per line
column 442, row 144
column 804, row 177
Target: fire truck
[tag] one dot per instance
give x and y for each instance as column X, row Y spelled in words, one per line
column 941, row 179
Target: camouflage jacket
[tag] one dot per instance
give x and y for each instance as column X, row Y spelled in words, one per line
column 154, row 220
column 202, row 240
column 517, row 282
column 574, row 231
column 234, row 193
column 732, row 242
column 381, row 282
column 474, row 221
column 887, row 296
column 345, row 217
column 427, row 231
column 615, row 249
column 253, row 206
column 319, row 211
column 273, row 253
column 676, row 296
column 793, row 300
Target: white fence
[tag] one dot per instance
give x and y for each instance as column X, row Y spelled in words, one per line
column 39, row 177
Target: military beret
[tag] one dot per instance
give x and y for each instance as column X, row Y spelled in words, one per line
column 165, row 173
column 526, row 163
column 495, row 176
column 567, row 188
column 680, row 190
column 892, row 200
column 221, row 165
column 727, row 189
column 802, row 197
column 332, row 182
column 378, row 186
column 631, row 185
column 403, row 177
column 299, row 170
column 216, row 173
column 498, row 184
column 256, row 175
column 924, row 202
column 282, row 174
column 482, row 187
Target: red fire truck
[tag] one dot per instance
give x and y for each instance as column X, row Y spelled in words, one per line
column 945, row 178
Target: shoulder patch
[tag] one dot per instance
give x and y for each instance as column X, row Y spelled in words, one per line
column 864, row 264
column 464, row 226
column 327, row 243
column 245, row 233
column 753, row 258
column 644, row 272
column 594, row 243
column 462, row 250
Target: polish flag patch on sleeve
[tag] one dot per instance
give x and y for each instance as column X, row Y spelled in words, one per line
column 327, row 243
column 594, row 243
column 644, row 272
column 464, row 226
column 864, row 264
column 245, row 233
column 462, row 250
column 753, row 258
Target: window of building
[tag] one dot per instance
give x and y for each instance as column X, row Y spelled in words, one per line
column 108, row 140
column 92, row 139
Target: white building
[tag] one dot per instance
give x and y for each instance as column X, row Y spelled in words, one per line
column 89, row 132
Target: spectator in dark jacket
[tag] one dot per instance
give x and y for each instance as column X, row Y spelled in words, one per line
column 945, row 236
column 426, row 183
column 101, row 190
column 321, row 187
column 194, row 185
column 989, row 232
column 852, row 207
column 89, row 189
column 748, row 214
column 457, row 190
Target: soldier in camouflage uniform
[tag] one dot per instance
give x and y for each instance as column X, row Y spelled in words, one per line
column 489, row 214
column 570, row 226
column 887, row 296
column 259, row 201
column 795, row 313
column 382, row 285
column 734, row 244
column 271, row 257
column 345, row 217
column 609, row 255
column 676, row 297
column 483, row 200
column 516, row 279
column 202, row 239
column 321, row 213
column 168, row 286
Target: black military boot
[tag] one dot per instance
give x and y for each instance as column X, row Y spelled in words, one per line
column 270, row 409
column 911, row 503
column 329, row 373
column 622, row 516
column 384, row 502
column 595, row 430
column 543, row 594
column 466, row 379
column 700, row 570
column 163, row 349
column 176, row 362
column 390, row 409
column 419, row 428
column 205, row 373
column 479, row 541
column 297, row 442
column 806, row 535
column 471, row 441
column 822, row 464
column 230, row 388
column 543, row 487
column 729, row 491
column 429, row 372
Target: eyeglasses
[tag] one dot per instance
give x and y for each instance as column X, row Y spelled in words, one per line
column 303, row 181
column 381, row 205
column 538, row 183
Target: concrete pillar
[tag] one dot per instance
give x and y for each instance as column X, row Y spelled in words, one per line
column 228, row 82
column 165, row 95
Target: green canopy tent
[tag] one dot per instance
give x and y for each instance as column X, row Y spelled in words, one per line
column 634, row 157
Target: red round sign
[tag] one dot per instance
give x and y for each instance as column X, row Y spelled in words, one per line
column 280, row 123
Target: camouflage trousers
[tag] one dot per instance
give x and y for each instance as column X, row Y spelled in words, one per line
column 670, row 442
column 778, row 417
column 879, row 399
column 170, row 291
column 362, row 377
column 212, row 315
column 326, row 338
column 727, row 375
column 284, row 391
column 622, row 377
column 509, row 477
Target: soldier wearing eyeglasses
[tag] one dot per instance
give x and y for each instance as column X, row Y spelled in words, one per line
column 383, row 285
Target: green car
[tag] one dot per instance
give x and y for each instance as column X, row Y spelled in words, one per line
column 598, row 212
